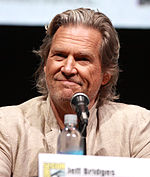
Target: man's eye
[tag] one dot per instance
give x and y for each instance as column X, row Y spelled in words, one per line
column 60, row 55
column 85, row 59
column 82, row 59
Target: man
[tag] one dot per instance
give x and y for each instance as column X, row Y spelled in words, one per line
column 79, row 54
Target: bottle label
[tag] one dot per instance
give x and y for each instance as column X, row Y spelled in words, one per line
column 78, row 152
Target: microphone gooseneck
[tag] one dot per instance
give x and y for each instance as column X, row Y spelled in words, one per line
column 80, row 102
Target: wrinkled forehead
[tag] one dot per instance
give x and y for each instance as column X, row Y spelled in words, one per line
column 78, row 33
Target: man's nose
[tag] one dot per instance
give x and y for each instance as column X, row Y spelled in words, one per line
column 68, row 67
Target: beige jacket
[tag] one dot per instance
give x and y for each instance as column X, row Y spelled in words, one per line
column 114, row 129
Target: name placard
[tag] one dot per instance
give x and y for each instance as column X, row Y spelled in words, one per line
column 57, row 165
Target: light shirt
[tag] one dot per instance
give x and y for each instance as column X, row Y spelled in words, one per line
column 115, row 129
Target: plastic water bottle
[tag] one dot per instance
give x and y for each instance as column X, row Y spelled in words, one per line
column 70, row 140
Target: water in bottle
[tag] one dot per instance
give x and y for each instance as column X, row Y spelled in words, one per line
column 70, row 140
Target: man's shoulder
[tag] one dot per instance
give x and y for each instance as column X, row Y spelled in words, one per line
column 20, row 125
column 125, row 110
column 122, row 106
column 12, row 113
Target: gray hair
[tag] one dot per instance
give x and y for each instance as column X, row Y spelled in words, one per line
column 108, row 51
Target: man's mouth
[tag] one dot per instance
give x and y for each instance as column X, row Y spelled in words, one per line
column 68, row 81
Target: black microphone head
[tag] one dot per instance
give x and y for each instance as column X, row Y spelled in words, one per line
column 79, row 103
column 79, row 98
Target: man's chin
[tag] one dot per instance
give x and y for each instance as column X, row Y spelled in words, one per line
column 66, row 95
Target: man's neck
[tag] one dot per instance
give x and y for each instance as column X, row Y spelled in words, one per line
column 60, row 111
column 63, row 108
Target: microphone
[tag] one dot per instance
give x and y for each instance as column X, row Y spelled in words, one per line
column 79, row 103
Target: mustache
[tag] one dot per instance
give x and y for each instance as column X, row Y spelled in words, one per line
column 75, row 79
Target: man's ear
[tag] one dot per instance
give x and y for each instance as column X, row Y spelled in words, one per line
column 106, row 78
column 45, row 69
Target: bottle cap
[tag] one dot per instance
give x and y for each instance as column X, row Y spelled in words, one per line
column 70, row 119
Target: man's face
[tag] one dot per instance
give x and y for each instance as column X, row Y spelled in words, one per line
column 73, row 63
